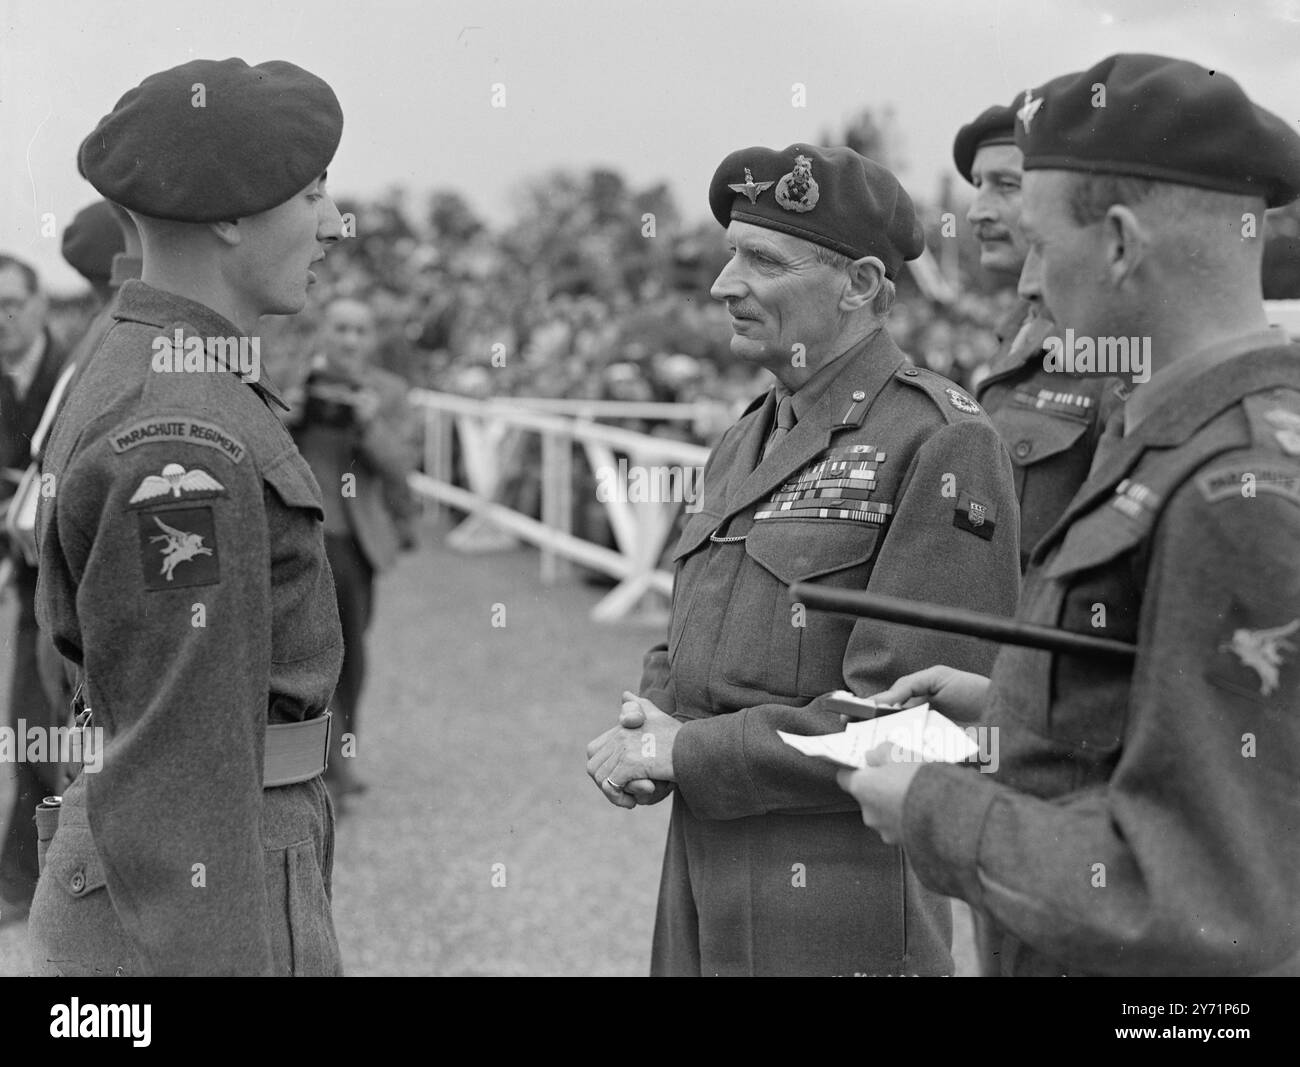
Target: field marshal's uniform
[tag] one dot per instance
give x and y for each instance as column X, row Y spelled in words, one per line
column 183, row 570
column 1150, row 824
column 891, row 480
column 1051, row 421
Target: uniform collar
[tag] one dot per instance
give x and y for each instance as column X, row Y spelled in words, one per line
column 140, row 302
column 805, row 398
column 1172, row 379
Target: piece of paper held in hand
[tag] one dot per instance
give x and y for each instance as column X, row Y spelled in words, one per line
column 924, row 735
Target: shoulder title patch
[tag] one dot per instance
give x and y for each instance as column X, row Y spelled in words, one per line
column 173, row 428
column 1246, row 480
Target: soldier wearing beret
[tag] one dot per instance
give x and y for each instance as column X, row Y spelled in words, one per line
column 183, row 566
column 1051, row 421
column 857, row 470
column 91, row 241
column 1142, row 819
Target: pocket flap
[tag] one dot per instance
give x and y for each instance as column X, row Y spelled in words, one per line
column 72, row 861
column 1033, row 436
column 695, row 533
column 294, row 482
column 798, row 549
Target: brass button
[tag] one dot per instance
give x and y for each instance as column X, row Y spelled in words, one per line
column 78, row 882
column 911, row 372
column 859, row 395
column 1023, row 448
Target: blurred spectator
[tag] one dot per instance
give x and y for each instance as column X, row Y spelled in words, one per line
column 355, row 428
column 31, row 360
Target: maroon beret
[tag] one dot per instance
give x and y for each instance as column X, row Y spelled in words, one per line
column 994, row 125
column 214, row 140
column 830, row 196
column 91, row 240
column 1163, row 119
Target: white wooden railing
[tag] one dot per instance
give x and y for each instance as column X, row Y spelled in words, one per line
column 490, row 432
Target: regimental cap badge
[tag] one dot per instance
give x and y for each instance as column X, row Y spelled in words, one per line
column 749, row 187
column 962, row 402
column 798, row 190
column 1029, row 109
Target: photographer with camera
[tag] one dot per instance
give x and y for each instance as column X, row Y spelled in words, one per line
column 356, row 430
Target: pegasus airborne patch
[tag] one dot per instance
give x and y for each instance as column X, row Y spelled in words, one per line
column 178, row 548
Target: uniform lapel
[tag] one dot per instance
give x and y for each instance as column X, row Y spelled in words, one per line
column 866, row 369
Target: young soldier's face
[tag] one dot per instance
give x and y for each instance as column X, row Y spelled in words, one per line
column 278, row 248
column 996, row 173
column 779, row 296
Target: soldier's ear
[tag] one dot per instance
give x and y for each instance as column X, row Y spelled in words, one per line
column 1126, row 239
column 866, row 275
column 227, row 232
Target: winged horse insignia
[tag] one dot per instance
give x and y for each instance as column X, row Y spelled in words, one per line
column 181, row 546
column 1261, row 651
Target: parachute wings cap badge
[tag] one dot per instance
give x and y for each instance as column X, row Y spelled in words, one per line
column 1029, row 109
column 798, row 190
column 750, row 188
column 1261, row 651
column 962, row 402
column 176, row 480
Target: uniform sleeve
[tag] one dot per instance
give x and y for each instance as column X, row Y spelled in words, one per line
column 173, row 599
column 732, row 766
column 1188, row 860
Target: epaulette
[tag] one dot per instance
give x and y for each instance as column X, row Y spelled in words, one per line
column 956, row 403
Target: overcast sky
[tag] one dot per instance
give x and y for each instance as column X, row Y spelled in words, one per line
column 661, row 91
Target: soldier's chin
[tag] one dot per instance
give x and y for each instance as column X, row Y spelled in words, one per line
column 287, row 303
column 749, row 349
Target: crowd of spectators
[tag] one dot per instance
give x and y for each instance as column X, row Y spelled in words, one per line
column 593, row 291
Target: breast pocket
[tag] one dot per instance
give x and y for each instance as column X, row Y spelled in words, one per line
column 780, row 647
column 1097, row 578
column 306, row 622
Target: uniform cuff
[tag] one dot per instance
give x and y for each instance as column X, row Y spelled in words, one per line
column 711, row 771
column 943, row 817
